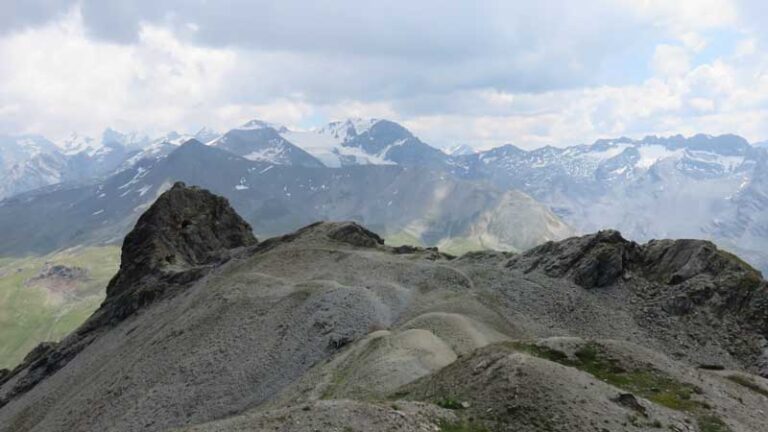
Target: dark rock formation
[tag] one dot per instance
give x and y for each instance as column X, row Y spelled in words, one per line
column 59, row 271
column 185, row 233
column 186, row 227
column 690, row 280
column 356, row 235
column 591, row 261
column 630, row 401
column 601, row 259
column 675, row 261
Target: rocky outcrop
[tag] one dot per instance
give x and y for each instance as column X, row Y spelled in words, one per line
column 62, row 272
column 180, row 238
column 690, row 282
column 675, row 261
column 604, row 258
column 186, row 227
column 185, row 232
column 356, row 235
column 591, row 261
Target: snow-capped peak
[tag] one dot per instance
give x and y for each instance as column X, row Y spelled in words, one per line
column 206, row 135
column 362, row 125
column 173, row 138
column 459, row 150
column 260, row 124
column 31, row 145
column 76, row 143
column 345, row 130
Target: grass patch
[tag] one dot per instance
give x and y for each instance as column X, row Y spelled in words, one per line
column 31, row 314
column 449, row 403
column 402, row 238
column 648, row 383
column 460, row 245
column 542, row 352
column 712, row 423
column 748, row 383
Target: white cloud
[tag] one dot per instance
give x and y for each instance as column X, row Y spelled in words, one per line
column 536, row 74
column 693, row 41
column 683, row 16
column 60, row 80
column 671, row 60
column 746, row 47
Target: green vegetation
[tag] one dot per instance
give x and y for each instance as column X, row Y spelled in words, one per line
column 32, row 312
column 460, row 245
column 638, row 421
column 751, row 279
column 748, row 383
column 648, row 383
column 402, row 239
column 712, row 423
column 449, row 403
column 542, row 352
column 733, row 258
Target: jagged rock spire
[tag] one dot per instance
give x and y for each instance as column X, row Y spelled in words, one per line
column 185, row 228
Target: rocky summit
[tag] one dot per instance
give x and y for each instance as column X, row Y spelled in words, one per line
column 186, row 229
column 329, row 329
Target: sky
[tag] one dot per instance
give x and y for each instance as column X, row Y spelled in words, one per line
column 481, row 73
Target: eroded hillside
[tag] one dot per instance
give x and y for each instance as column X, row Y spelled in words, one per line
column 205, row 328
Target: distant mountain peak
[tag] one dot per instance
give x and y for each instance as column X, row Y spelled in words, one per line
column 257, row 124
column 344, row 130
column 206, row 135
column 77, row 143
column 460, row 150
column 133, row 140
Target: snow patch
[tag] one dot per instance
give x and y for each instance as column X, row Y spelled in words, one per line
column 140, row 173
column 144, row 190
column 651, row 154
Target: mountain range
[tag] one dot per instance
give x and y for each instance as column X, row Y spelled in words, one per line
column 707, row 187
column 416, row 205
column 699, row 187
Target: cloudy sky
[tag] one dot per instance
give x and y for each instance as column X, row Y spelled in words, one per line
column 476, row 72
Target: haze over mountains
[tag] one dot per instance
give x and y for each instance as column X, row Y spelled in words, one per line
column 699, row 187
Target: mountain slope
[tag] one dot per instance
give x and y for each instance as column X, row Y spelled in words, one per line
column 699, row 187
column 258, row 141
column 207, row 329
column 366, row 142
column 429, row 206
column 28, row 162
column 45, row 298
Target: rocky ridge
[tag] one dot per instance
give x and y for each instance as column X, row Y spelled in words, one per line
column 186, row 232
column 328, row 328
